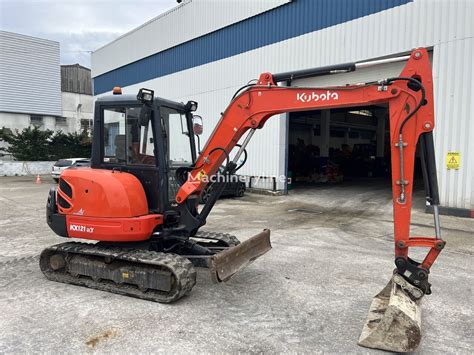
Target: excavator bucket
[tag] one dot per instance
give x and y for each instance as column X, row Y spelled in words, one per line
column 394, row 321
column 230, row 261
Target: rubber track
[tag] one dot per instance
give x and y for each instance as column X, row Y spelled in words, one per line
column 180, row 267
column 224, row 237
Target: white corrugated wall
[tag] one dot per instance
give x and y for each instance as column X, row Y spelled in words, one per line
column 444, row 25
column 30, row 77
column 191, row 19
column 454, row 95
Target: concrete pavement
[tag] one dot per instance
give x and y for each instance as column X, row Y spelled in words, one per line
column 332, row 251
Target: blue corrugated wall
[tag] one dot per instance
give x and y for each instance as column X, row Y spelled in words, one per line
column 284, row 22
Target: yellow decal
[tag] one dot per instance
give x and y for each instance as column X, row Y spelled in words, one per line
column 200, row 175
column 125, row 275
column 453, row 160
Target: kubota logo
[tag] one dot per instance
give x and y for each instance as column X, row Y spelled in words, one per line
column 79, row 213
column 79, row 228
column 314, row 96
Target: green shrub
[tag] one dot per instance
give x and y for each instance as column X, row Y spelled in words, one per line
column 71, row 145
column 33, row 144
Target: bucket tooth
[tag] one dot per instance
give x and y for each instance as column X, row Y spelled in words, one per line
column 230, row 261
column 394, row 320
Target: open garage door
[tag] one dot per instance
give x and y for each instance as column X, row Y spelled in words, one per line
column 342, row 146
column 339, row 145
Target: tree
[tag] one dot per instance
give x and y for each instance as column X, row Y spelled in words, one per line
column 32, row 144
column 29, row 144
column 77, row 145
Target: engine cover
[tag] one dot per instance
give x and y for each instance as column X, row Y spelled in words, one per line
column 103, row 205
column 101, row 193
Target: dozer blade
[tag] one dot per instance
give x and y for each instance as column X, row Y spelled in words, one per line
column 394, row 321
column 230, row 261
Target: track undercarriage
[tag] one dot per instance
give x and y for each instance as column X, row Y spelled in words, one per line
column 147, row 271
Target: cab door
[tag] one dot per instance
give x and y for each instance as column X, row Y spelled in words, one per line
column 130, row 147
column 178, row 144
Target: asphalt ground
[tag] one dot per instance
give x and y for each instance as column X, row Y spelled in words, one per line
column 332, row 251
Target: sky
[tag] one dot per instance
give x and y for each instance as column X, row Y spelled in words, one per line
column 80, row 26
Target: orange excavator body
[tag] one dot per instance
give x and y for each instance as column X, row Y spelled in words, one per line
column 105, row 205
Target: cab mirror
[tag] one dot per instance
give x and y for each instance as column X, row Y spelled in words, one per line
column 145, row 115
column 197, row 125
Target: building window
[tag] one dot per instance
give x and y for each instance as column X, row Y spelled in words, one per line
column 86, row 125
column 36, row 120
column 61, row 120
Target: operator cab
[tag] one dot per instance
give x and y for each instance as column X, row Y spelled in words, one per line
column 148, row 137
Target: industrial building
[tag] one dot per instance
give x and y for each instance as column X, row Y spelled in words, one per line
column 36, row 91
column 30, row 82
column 206, row 50
column 76, row 95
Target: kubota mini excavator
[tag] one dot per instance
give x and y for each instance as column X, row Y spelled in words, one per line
column 140, row 197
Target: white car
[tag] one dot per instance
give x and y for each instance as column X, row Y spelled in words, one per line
column 64, row 164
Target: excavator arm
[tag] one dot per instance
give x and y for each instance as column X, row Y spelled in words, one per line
column 411, row 109
column 410, row 101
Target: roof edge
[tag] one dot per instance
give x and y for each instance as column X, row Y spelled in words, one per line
column 29, row 36
column 166, row 13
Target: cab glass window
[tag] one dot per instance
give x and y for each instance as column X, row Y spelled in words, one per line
column 125, row 141
column 178, row 141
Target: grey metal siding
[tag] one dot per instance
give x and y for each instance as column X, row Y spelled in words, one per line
column 76, row 78
column 29, row 75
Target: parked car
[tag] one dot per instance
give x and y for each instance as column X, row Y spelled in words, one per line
column 234, row 187
column 64, row 164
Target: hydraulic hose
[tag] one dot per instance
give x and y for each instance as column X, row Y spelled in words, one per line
column 420, row 103
column 245, row 158
column 249, row 84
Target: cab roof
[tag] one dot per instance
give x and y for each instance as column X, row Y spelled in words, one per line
column 133, row 98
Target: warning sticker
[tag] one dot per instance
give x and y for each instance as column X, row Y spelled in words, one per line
column 200, row 175
column 453, row 160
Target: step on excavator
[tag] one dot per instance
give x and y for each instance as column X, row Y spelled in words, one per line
column 139, row 200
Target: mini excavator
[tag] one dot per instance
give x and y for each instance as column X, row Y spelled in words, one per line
column 139, row 200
